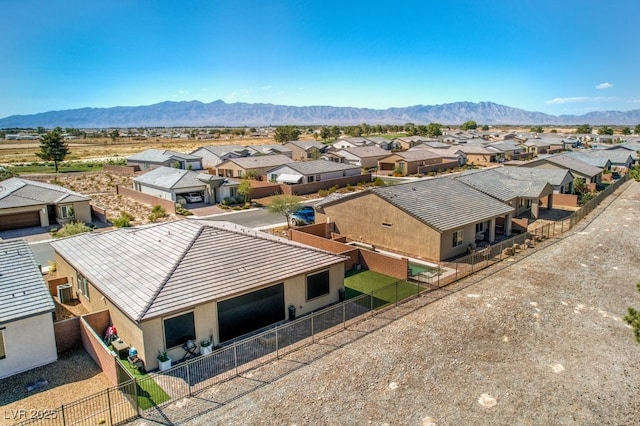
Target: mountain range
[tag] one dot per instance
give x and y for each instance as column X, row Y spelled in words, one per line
column 220, row 113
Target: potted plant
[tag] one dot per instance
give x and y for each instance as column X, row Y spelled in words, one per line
column 164, row 362
column 205, row 347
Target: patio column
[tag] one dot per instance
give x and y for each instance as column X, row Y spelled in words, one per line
column 507, row 225
column 535, row 209
column 492, row 230
column 550, row 201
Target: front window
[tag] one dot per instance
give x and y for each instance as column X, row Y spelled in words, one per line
column 66, row 212
column 310, row 179
column 3, row 352
column 179, row 329
column 83, row 285
column 317, row 285
column 458, row 238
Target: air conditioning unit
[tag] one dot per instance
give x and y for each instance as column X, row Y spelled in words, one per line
column 65, row 293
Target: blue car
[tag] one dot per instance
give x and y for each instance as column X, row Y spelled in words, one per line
column 305, row 216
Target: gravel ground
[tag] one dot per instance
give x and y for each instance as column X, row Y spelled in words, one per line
column 74, row 376
column 538, row 340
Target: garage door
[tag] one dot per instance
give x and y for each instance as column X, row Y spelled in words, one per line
column 244, row 314
column 19, row 220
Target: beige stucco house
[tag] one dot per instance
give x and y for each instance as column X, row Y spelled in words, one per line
column 433, row 219
column 195, row 280
column 25, row 203
column 26, row 323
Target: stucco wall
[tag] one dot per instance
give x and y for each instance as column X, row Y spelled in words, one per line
column 92, row 343
column 168, row 205
column 29, row 343
column 309, row 188
column 365, row 218
column 67, row 334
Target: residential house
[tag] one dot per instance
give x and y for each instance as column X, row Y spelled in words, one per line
column 304, row 150
column 175, row 185
column 365, row 157
column 560, row 179
column 578, row 168
column 247, row 166
column 344, row 143
column 523, row 195
column 153, row 158
column 407, row 142
column 25, row 203
column 215, row 154
column 170, row 283
column 606, row 159
column 415, row 161
column 27, row 339
column 311, row 171
column 479, row 155
column 434, row 219
column 269, row 149
column 382, row 142
column 509, row 150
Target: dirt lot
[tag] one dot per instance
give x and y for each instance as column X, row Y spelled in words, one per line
column 538, row 340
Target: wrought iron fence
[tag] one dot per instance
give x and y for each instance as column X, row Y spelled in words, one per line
column 135, row 397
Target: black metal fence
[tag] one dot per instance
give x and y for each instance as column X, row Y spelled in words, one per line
column 141, row 397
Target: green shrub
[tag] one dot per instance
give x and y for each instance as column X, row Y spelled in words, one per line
column 157, row 212
column 71, row 228
column 122, row 221
column 180, row 210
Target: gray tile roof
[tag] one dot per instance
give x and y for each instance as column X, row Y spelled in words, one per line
column 553, row 176
column 595, row 160
column 488, row 182
column 170, row 178
column 367, row 151
column 153, row 271
column 418, row 155
column 319, row 166
column 616, row 156
column 259, row 161
column 18, row 192
column 443, row 203
column 221, row 150
column 268, row 148
column 23, row 292
column 161, row 155
column 569, row 163
column 307, row 145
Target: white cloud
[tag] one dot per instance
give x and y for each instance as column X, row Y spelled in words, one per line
column 604, row 86
column 569, row 100
column 266, row 87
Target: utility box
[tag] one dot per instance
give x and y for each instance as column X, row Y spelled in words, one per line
column 65, row 293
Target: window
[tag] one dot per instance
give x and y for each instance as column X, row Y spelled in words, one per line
column 458, row 238
column 317, row 285
column 66, row 212
column 178, row 330
column 386, row 224
column 83, row 285
column 233, row 192
column 3, row 352
column 479, row 227
column 310, row 179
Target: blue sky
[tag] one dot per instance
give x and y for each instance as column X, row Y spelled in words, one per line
column 557, row 57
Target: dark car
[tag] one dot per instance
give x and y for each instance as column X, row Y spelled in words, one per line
column 305, row 216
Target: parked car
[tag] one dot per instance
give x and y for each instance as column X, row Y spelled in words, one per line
column 193, row 197
column 305, row 216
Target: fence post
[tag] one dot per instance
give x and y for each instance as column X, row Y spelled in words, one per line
column 313, row 334
column 235, row 356
column 277, row 347
column 62, row 414
column 189, row 377
column 109, row 405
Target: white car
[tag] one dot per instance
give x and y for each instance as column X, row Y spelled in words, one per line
column 193, row 197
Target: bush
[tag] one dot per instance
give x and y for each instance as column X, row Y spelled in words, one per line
column 122, row 221
column 180, row 210
column 157, row 212
column 71, row 228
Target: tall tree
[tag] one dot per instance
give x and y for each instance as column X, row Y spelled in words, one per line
column 285, row 205
column 53, row 147
column 537, row 129
column 626, row 131
column 434, row 129
column 584, row 129
column 469, row 125
column 605, row 130
column 244, row 190
column 286, row 133
column 636, row 129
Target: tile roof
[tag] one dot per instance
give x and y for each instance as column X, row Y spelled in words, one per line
column 18, row 192
column 307, row 145
column 258, row 161
column 161, row 155
column 366, row 151
column 553, row 176
column 319, row 166
column 221, row 150
column 171, row 178
column 156, row 270
column 23, row 292
column 569, row 163
column 443, row 203
column 488, row 182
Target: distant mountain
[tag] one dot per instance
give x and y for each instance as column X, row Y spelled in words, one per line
column 219, row 113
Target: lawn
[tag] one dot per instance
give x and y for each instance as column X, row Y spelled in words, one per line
column 380, row 286
column 150, row 393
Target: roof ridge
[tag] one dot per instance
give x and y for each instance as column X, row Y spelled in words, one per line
column 169, row 274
